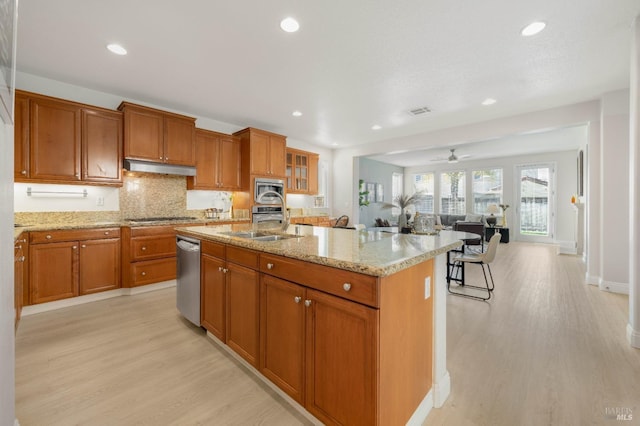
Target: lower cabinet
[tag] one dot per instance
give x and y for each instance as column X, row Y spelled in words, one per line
column 19, row 258
column 318, row 348
column 65, row 264
column 213, row 289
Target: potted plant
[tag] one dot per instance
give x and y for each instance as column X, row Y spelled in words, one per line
column 403, row 201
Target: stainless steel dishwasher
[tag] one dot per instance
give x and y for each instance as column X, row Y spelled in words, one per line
column 188, row 278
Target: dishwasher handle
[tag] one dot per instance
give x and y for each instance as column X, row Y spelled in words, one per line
column 188, row 245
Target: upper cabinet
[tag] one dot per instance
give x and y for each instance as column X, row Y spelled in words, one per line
column 302, row 172
column 60, row 141
column 158, row 136
column 217, row 162
column 263, row 154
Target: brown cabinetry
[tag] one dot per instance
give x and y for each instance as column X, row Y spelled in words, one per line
column 302, row 172
column 158, row 136
column 217, row 162
column 148, row 255
column 19, row 276
column 213, row 289
column 69, row 263
column 317, row 347
column 263, row 154
column 60, row 141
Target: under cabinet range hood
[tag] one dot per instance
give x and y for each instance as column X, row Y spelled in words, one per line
column 166, row 169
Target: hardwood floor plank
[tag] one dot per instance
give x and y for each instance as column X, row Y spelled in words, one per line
column 547, row 349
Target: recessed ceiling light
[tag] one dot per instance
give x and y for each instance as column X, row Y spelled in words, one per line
column 489, row 101
column 533, row 28
column 117, row 49
column 376, row 127
column 296, row 114
column 289, row 25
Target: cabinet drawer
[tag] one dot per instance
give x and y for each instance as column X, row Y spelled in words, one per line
column 346, row 284
column 241, row 256
column 40, row 237
column 145, row 231
column 144, row 248
column 153, row 271
column 212, row 249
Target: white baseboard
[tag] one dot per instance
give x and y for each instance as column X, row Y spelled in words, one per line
column 613, row 287
column 441, row 390
column 567, row 247
column 633, row 336
column 88, row 298
column 592, row 279
column 423, row 410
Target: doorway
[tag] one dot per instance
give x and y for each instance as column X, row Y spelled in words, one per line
column 535, row 217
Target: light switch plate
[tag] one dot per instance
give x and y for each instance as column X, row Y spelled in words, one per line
column 427, row 287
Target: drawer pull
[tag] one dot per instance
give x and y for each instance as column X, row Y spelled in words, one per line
column 297, row 299
column 346, row 286
column 106, row 232
column 143, row 248
column 270, row 265
column 220, row 268
column 143, row 274
column 48, row 237
column 21, row 259
column 307, row 303
column 24, row 172
column 74, row 247
column 84, row 246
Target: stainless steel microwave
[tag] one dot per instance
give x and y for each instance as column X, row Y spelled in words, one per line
column 263, row 185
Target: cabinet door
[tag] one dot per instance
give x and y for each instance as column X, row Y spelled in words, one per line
column 282, row 335
column 99, row 265
column 341, row 360
column 53, row 271
column 18, row 280
column 259, row 154
column 54, row 144
column 212, row 297
column 313, row 174
column 242, row 312
column 277, row 156
column 179, row 137
column 21, row 138
column 206, row 162
column 229, row 163
column 101, row 146
column 143, row 135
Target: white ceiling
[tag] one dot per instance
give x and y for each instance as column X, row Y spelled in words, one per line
column 353, row 63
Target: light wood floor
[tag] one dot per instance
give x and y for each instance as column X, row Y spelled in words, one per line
column 546, row 350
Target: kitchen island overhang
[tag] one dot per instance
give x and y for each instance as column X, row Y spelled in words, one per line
column 405, row 304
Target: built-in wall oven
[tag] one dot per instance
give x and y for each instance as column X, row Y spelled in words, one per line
column 262, row 185
column 265, row 214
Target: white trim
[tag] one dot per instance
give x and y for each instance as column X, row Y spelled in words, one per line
column 423, row 410
column 633, row 336
column 441, row 390
column 592, row 279
column 567, row 247
column 88, row 298
column 613, row 287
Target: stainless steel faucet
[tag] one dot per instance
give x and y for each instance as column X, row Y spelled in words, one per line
column 285, row 213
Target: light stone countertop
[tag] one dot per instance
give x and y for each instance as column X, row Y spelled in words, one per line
column 368, row 252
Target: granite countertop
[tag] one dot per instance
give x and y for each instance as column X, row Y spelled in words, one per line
column 20, row 228
column 367, row 252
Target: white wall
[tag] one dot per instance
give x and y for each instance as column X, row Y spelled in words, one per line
column 377, row 172
column 7, row 312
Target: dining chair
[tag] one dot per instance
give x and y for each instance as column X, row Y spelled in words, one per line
column 481, row 259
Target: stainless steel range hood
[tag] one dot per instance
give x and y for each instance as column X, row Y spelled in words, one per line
column 166, row 169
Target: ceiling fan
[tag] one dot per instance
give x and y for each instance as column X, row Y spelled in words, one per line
column 453, row 158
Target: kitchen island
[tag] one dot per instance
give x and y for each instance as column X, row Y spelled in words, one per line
column 349, row 325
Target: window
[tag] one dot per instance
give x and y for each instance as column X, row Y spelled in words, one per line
column 486, row 189
column 425, row 183
column 397, row 183
column 452, row 192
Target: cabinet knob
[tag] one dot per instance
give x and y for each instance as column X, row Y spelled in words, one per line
column 24, row 172
column 166, row 158
column 161, row 158
column 220, row 268
column 84, row 246
column 297, row 299
column 270, row 265
column 106, row 232
column 225, row 270
column 143, row 248
column 346, row 286
column 18, row 247
column 143, row 274
column 21, row 258
column 48, row 237
column 307, row 303
column 75, row 247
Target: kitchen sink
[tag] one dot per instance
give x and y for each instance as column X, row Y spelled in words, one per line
column 258, row 236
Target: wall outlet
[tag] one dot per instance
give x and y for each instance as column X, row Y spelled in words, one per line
column 100, row 201
column 427, row 288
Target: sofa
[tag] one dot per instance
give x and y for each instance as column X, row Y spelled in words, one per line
column 472, row 223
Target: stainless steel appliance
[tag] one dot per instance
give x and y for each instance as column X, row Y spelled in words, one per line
column 265, row 214
column 188, row 278
column 262, row 185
